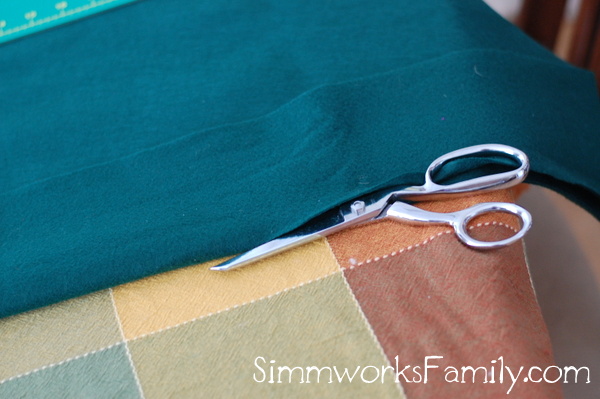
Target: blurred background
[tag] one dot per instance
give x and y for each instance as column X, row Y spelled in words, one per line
column 570, row 28
column 563, row 248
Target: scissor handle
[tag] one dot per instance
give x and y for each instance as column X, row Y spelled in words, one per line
column 460, row 220
column 494, row 181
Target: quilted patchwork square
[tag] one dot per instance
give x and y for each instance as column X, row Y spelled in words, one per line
column 103, row 374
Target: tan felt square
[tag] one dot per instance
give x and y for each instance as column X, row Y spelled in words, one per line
column 171, row 298
column 221, row 356
column 55, row 333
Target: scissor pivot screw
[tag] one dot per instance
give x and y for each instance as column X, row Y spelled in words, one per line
column 358, row 207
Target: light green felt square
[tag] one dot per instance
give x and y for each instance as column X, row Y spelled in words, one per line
column 104, row 374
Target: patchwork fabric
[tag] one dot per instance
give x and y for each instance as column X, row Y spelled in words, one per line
column 32, row 340
column 169, row 299
column 106, row 373
column 442, row 299
column 317, row 324
column 302, row 318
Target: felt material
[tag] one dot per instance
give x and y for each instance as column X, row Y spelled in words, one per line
column 163, row 301
column 471, row 307
column 159, row 148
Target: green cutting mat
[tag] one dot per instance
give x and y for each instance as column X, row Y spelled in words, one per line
column 24, row 17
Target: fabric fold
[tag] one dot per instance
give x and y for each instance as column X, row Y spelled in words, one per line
column 219, row 192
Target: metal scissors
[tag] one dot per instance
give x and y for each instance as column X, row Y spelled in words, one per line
column 391, row 203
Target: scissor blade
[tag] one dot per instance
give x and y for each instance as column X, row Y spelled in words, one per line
column 306, row 233
column 322, row 226
column 263, row 251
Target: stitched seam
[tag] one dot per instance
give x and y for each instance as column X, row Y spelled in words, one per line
column 61, row 362
column 127, row 351
column 424, row 242
column 333, row 254
column 55, row 17
column 368, row 325
column 405, row 249
column 341, row 270
column 237, row 305
column 125, row 341
column 307, row 282
column 494, row 224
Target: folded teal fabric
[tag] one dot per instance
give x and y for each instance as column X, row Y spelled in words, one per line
column 163, row 134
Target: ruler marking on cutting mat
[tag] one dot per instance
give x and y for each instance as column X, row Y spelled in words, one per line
column 24, row 17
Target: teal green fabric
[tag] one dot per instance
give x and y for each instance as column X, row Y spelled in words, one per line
column 205, row 129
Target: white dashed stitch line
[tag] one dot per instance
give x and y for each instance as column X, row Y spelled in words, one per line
column 371, row 330
column 61, row 362
column 395, row 253
column 169, row 327
column 426, row 241
column 235, row 306
column 127, row 351
column 494, row 224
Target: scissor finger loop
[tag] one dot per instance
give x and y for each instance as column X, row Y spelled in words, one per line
column 460, row 220
column 461, row 223
column 488, row 182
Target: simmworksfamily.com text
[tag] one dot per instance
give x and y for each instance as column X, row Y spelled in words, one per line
column 497, row 372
